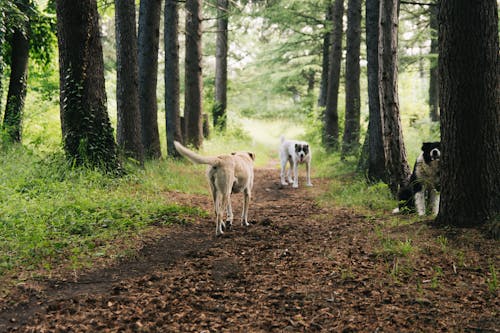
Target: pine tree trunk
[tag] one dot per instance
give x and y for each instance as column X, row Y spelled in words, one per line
column 350, row 142
column 470, row 112
column 129, row 128
column 375, row 159
column 172, row 94
column 16, row 95
column 325, row 59
column 86, row 129
column 148, row 43
column 193, row 80
column 394, row 148
column 219, row 111
column 433, row 71
column 331, row 117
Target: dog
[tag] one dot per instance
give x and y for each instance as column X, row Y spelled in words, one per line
column 226, row 174
column 295, row 153
column 424, row 183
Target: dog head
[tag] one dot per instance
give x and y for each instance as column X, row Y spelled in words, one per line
column 431, row 151
column 301, row 150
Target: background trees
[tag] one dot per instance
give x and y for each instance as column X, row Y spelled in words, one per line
column 129, row 127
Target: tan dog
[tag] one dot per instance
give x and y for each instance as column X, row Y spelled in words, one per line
column 227, row 174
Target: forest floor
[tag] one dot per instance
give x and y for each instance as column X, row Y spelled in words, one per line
column 299, row 267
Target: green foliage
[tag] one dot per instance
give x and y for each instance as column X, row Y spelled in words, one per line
column 492, row 281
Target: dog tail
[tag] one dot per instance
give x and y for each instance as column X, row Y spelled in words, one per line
column 195, row 158
column 282, row 139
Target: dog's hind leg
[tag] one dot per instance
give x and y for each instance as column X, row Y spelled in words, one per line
column 246, row 203
column 283, row 172
column 229, row 216
column 219, row 211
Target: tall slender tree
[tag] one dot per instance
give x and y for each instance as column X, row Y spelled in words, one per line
column 394, row 148
column 219, row 110
column 327, row 36
column 193, row 80
column 20, row 44
column 433, row 70
column 148, row 43
column 374, row 141
column 350, row 142
column 470, row 112
column 172, row 109
column 86, row 129
column 331, row 117
column 129, row 130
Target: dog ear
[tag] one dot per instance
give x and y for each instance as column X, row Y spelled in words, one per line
column 426, row 146
column 252, row 156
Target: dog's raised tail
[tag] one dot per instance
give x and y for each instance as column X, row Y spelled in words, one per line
column 282, row 139
column 194, row 157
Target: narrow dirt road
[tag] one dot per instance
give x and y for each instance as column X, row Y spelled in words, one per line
column 297, row 268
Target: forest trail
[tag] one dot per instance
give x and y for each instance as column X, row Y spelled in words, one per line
column 298, row 267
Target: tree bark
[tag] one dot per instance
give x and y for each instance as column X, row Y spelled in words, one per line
column 433, row 71
column 172, row 109
column 350, row 142
column 193, row 80
column 325, row 59
column 129, row 128
column 16, row 95
column 219, row 110
column 394, row 148
column 331, row 117
column 374, row 145
column 470, row 112
column 148, row 44
column 86, row 129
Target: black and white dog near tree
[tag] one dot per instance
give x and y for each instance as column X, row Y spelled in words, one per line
column 424, row 184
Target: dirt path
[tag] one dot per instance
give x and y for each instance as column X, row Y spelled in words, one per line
column 297, row 268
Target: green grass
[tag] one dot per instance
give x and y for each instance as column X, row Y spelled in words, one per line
column 50, row 211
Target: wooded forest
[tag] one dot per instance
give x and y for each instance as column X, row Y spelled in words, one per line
column 93, row 94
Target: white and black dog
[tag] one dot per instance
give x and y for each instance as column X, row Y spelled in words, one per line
column 294, row 152
column 424, row 182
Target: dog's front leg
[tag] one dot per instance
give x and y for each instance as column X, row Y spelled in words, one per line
column 434, row 201
column 219, row 209
column 308, row 169
column 295, row 174
column 420, row 202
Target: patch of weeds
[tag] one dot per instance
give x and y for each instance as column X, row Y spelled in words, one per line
column 442, row 242
column 346, row 273
column 395, row 248
column 438, row 272
column 492, row 281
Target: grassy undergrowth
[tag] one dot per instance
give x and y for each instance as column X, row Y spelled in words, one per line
column 51, row 212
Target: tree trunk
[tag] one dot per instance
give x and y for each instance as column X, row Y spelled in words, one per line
column 394, row 148
column 172, row 109
column 129, row 128
column 148, row 43
column 470, row 112
column 331, row 117
column 16, row 95
column 193, row 80
column 350, row 142
column 325, row 59
column 219, row 110
column 376, row 157
column 433, row 71
column 2, row 41
column 86, row 130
